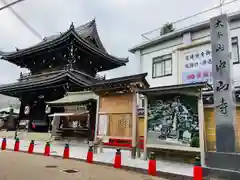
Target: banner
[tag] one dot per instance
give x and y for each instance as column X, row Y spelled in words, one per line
column 197, row 66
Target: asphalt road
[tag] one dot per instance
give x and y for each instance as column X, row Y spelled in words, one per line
column 22, row 166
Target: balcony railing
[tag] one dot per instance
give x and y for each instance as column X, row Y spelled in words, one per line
column 194, row 19
column 27, row 76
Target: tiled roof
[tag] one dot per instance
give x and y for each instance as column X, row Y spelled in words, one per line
column 84, row 35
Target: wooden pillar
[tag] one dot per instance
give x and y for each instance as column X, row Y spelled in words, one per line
column 201, row 128
column 92, row 120
column 137, row 124
column 55, row 125
column 21, row 110
column 145, row 126
column 134, row 125
column 97, row 120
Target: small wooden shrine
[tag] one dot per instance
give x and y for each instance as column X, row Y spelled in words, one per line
column 117, row 110
column 79, row 117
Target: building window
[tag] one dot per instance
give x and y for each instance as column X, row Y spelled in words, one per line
column 162, row 66
column 235, row 50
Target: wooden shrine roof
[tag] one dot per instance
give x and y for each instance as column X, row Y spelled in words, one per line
column 82, row 34
column 121, row 82
column 175, row 88
column 75, row 97
column 46, row 80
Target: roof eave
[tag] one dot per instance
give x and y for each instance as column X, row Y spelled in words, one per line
column 29, row 85
column 96, row 36
column 133, row 78
column 97, row 51
column 13, row 55
column 172, row 88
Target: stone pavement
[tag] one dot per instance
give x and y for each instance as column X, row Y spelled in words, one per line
column 107, row 157
column 26, row 135
column 21, row 166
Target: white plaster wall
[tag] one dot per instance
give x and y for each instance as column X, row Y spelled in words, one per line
column 147, row 67
column 144, row 57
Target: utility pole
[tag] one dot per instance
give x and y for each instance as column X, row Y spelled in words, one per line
column 10, row 4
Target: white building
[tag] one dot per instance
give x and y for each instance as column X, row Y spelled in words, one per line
column 184, row 55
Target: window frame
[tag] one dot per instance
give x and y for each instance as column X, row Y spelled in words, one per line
column 142, row 102
column 235, row 43
column 161, row 60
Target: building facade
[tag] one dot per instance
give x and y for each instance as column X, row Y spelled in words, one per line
column 184, row 56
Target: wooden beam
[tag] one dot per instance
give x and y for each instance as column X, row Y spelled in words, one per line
column 201, row 128
column 97, row 120
column 134, row 125
column 145, row 126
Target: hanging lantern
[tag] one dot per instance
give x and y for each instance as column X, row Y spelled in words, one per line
column 48, row 109
column 27, row 110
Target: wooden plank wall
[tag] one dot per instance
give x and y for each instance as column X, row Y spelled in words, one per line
column 116, row 104
column 119, row 111
column 120, row 125
column 141, row 126
column 210, row 129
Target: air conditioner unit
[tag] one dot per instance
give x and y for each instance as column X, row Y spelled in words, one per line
column 167, row 28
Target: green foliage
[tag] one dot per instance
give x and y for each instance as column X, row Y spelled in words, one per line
column 195, row 142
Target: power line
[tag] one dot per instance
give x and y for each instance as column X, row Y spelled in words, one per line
column 10, row 4
column 23, row 21
column 30, row 28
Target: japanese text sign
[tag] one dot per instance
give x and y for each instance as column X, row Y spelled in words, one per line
column 197, row 66
column 222, row 84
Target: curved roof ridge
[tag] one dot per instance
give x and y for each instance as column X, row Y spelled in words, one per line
column 74, row 77
column 124, row 60
column 96, row 35
column 83, row 30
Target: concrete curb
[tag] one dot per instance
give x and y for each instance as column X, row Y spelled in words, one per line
column 170, row 176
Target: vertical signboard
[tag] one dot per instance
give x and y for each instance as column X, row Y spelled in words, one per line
column 224, row 101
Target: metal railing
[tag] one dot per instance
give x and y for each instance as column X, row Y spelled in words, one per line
column 227, row 7
column 27, row 76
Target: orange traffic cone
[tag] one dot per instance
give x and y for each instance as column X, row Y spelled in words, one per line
column 4, row 144
column 47, row 149
column 118, row 159
column 16, row 146
column 31, row 147
column 66, row 152
column 90, row 155
column 152, row 165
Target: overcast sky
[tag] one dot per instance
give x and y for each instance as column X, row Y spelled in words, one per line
column 120, row 23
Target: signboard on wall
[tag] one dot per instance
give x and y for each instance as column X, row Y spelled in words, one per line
column 75, row 108
column 173, row 120
column 197, row 65
column 103, row 125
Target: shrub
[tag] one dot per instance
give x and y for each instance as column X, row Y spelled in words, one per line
column 195, row 142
